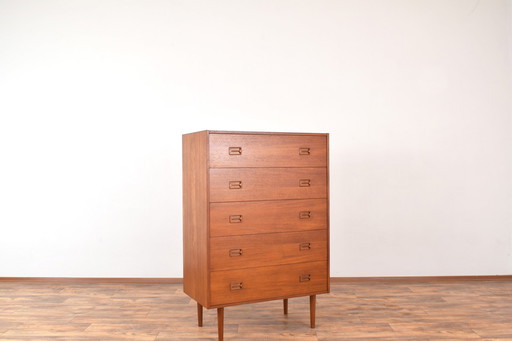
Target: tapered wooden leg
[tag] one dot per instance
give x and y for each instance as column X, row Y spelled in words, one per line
column 220, row 323
column 312, row 308
column 199, row 315
column 285, row 306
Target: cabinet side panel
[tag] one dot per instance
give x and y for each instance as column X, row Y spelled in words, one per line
column 195, row 216
column 328, row 216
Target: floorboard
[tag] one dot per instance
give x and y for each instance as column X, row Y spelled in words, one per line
column 364, row 310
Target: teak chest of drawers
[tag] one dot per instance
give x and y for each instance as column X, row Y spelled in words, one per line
column 255, row 218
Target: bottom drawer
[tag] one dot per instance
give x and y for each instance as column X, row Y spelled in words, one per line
column 271, row 282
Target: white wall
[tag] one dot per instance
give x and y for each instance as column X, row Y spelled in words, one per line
column 94, row 97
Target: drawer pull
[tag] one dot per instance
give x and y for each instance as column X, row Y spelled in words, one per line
column 235, row 184
column 304, row 182
column 304, row 151
column 234, row 219
column 236, row 285
column 305, row 278
column 235, row 150
column 304, row 246
column 235, row 252
column 304, row 214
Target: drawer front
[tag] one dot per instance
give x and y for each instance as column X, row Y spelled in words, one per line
column 272, row 282
column 238, row 150
column 232, row 219
column 246, row 184
column 228, row 253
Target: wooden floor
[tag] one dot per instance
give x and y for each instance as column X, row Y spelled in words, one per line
column 436, row 310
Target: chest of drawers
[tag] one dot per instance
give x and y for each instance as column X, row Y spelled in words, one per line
column 255, row 218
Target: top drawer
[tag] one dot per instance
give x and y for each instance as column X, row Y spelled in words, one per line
column 239, row 150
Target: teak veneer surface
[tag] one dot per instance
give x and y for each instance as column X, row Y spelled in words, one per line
column 195, row 213
column 267, row 183
column 267, row 217
column 271, row 282
column 276, row 150
column 265, row 172
column 358, row 310
column 268, row 249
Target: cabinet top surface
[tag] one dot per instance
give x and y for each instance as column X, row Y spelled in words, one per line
column 254, row 132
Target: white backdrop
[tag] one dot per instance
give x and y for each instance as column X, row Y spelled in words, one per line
column 94, row 97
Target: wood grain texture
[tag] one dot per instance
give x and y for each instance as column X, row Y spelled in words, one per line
column 278, row 150
column 328, row 215
column 195, row 216
column 220, row 324
column 267, row 249
column 267, row 217
column 362, row 310
column 312, row 311
column 199, row 315
column 267, row 184
column 252, row 169
column 268, row 282
column 169, row 280
column 232, row 132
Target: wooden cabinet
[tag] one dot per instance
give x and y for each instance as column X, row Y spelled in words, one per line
column 255, row 218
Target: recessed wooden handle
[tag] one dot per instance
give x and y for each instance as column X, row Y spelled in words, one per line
column 235, row 150
column 304, row 183
column 235, row 184
column 305, row 278
column 304, row 214
column 304, row 151
column 236, row 285
column 235, row 252
column 304, row 246
column 235, row 219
